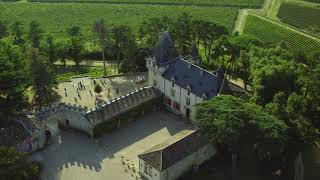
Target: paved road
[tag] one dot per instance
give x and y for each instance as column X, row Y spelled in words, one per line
column 74, row 156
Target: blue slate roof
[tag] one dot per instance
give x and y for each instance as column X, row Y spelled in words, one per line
column 186, row 74
column 165, row 50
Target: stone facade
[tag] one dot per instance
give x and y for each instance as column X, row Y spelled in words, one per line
column 80, row 118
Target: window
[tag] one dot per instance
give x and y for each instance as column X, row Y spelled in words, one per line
column 172, row 83
column 188, row 92
column 173, row 92
column 147, row 169
column 188, row 101
column 176, row 106
column 155, row 83
column 168, row 101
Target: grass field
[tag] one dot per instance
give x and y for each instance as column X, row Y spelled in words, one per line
column 302, row 17
column 248, row 3
column 57, row 17
column 272, row 33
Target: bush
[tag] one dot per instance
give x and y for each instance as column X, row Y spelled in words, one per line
column 97, row 88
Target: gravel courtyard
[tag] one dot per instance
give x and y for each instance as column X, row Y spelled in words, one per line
column 72, row 155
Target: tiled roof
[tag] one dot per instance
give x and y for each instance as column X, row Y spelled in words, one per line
column 165, row 50
column 179, row 146
column 186, row 75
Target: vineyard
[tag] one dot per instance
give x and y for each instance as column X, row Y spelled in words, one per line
column 272, row 33
column 302, row 17
column 245, row 3
column 57, row 17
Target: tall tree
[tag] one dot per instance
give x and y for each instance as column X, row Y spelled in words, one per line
column 205, row 33
column 76, row 44
column 100, row 29
column 12, row 78
column 3, row 29
column 51, row 48
column 35, row 34
column 62, row 50
column 234, row 123
column 42, row 77
column 14, row 165
column 123, row 44
column 150, row 30
column 182, row 32
column 17, row 33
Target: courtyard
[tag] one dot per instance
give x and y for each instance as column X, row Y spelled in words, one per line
column 72, row 155
column 112, row 87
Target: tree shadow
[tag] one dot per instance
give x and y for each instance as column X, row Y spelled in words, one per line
column 72, row 148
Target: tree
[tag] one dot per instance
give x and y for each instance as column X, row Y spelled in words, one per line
column 182, row 32
column 97, row 88
column 35, row 34
column 205, row 33
column 51, row 48
column 150, row 30
column 62, row 50
column 17, row 33
column 234, row 123
column 42, row 77
column 76, row 44
column 3, row 29
column 12, row 78
column 123, row 44
column 241, row 68
column 14, row 165
column 100, row 29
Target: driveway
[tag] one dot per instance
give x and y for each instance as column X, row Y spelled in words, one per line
column 71, row 155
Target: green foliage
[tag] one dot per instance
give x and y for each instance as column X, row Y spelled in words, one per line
column 17, row 33
column 232, row 121
column 35, row 34
column 15, row 167
column 13, row 78
column 271, row 33
column 65, row 73
column 97, row 88
column 123, row 43
column 57, row 17
column 244, row 3
column 42, row 76
column 76, row 44
column 50, row 48
column 3, row 29
column 302, row 17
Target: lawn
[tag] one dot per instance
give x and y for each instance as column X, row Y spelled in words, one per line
column 246, row 3
column 57, row 17
column 303, row 17
column 272, row 33
column 64, row 74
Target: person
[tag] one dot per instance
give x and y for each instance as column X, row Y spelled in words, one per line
column 65, row 89
column 117, row 91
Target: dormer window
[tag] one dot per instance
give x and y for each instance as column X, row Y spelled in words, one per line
column 188, row 90
column 204, row 96
column 172, row 82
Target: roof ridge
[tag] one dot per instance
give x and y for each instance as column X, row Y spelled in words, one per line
column 177, row 140
column 199, row 67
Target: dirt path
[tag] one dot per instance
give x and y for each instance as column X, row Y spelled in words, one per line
column 241, row 19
